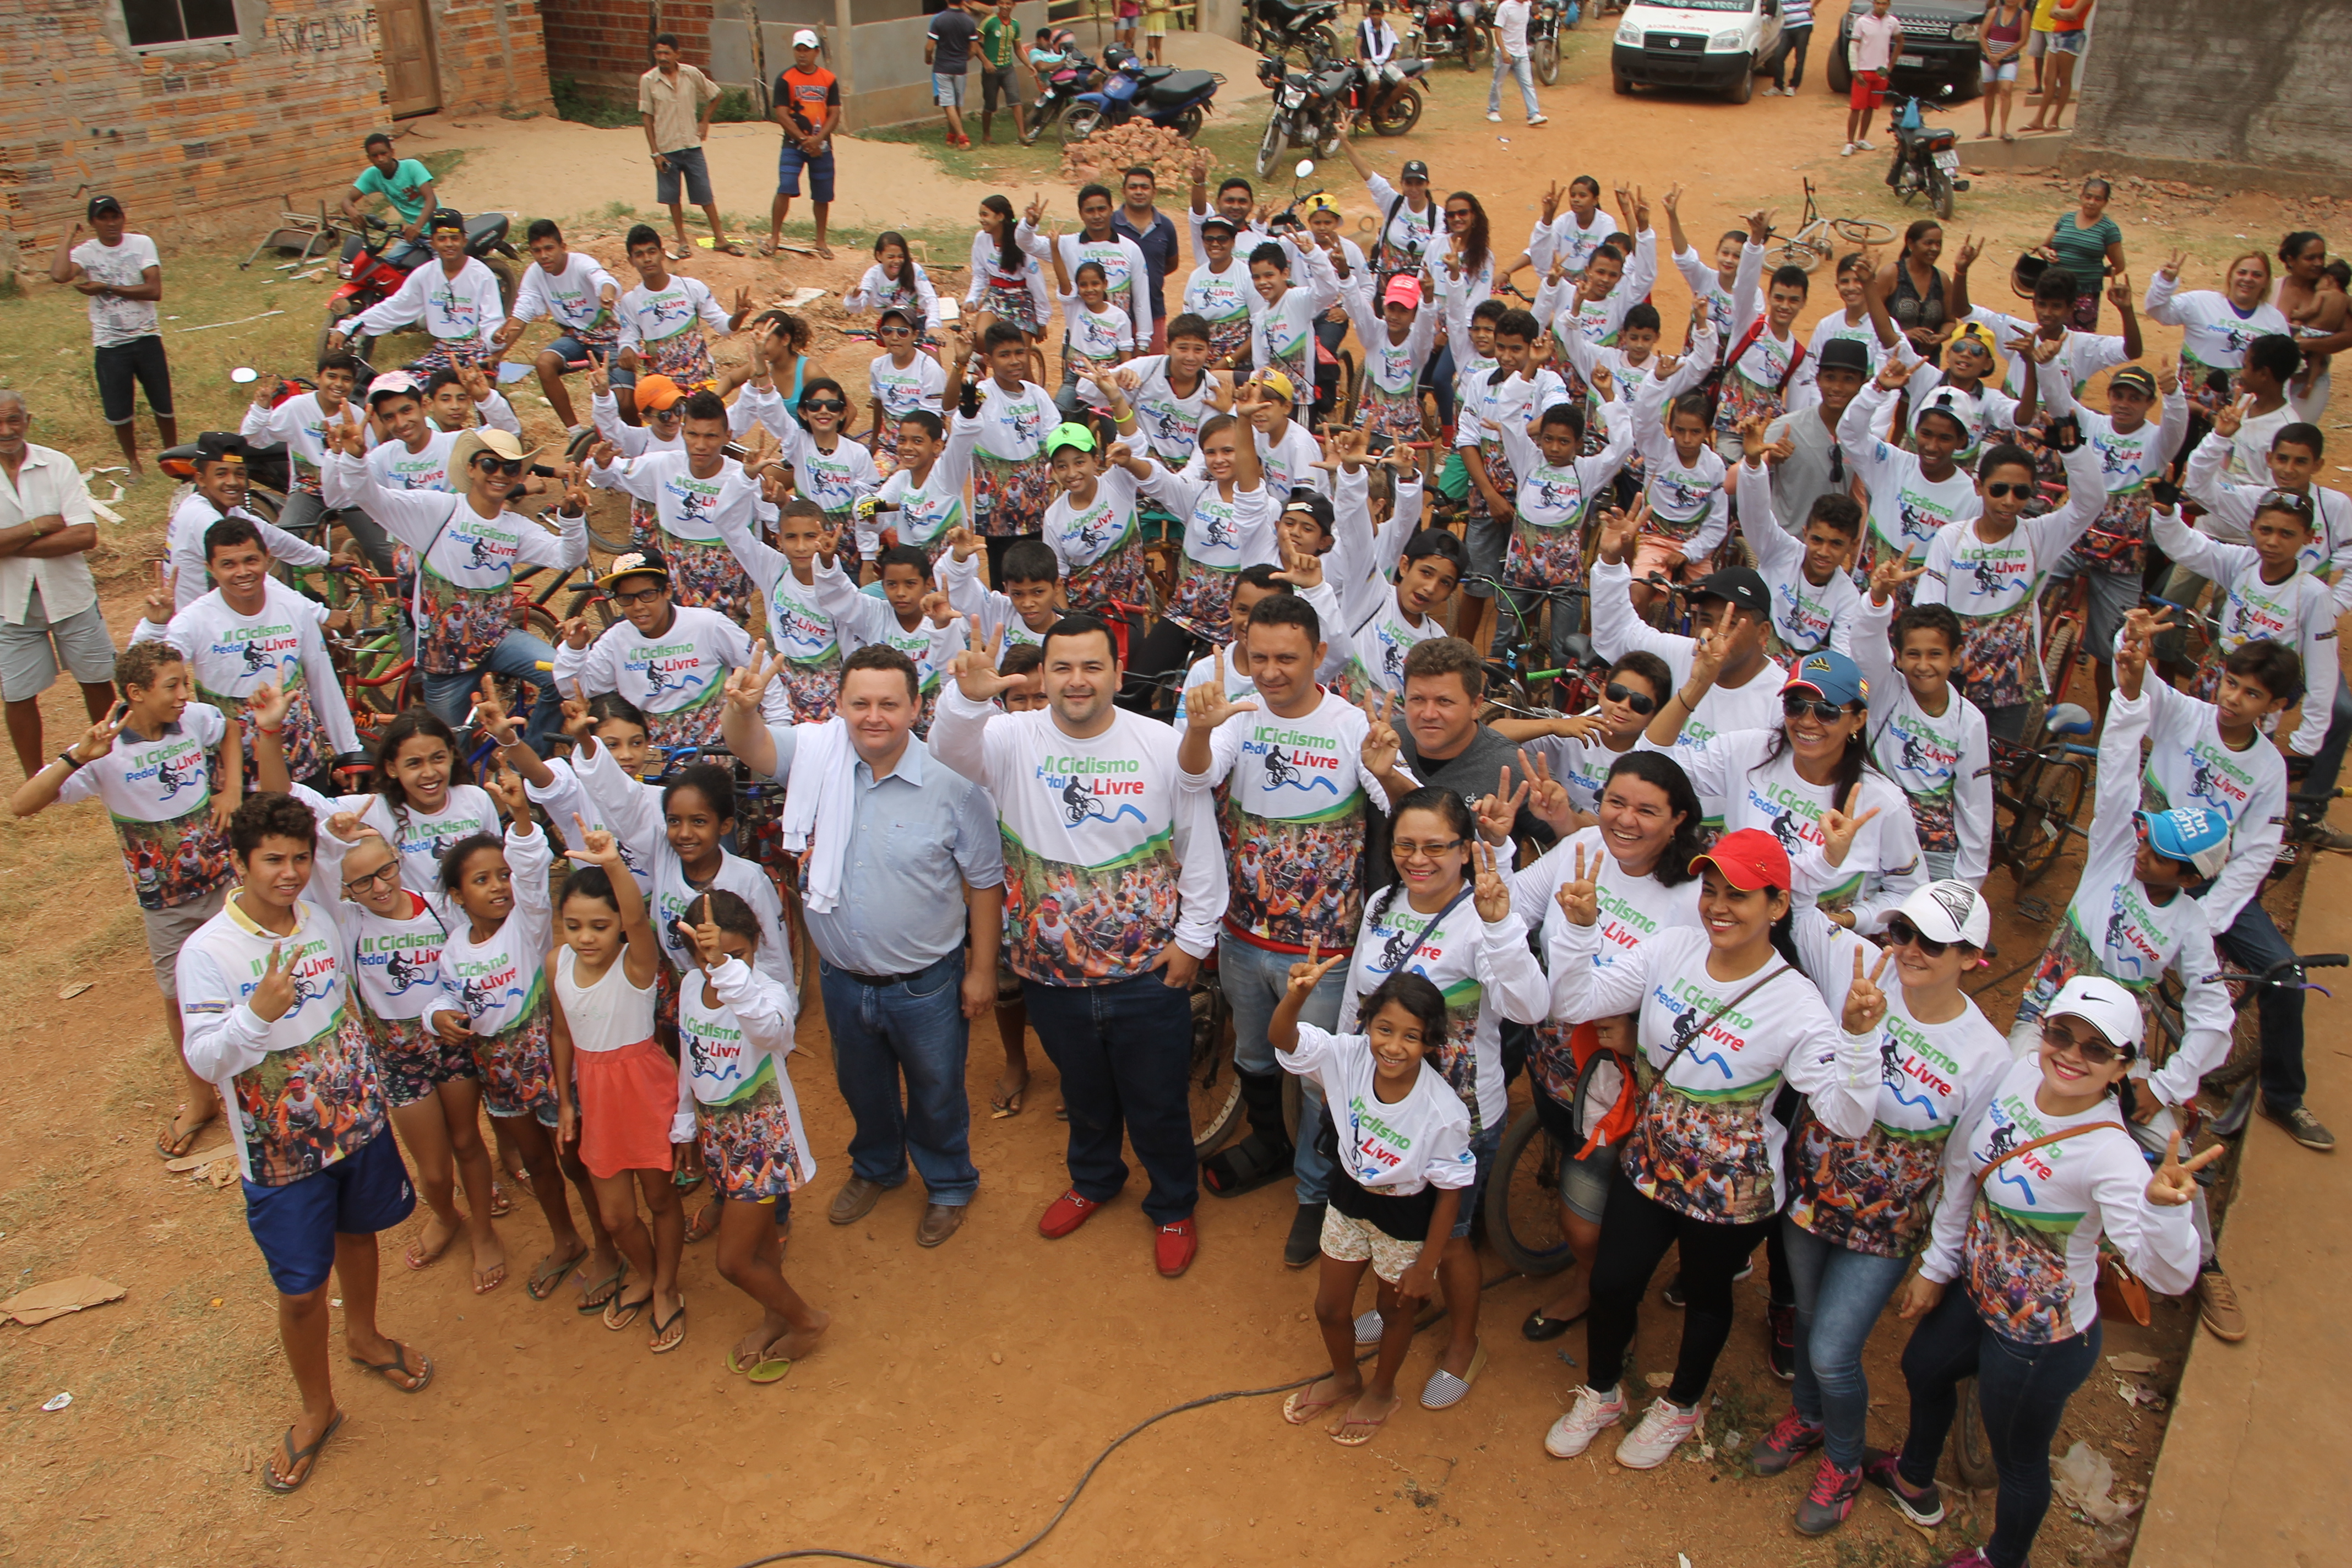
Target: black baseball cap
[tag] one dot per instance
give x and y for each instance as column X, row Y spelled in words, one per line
column 1738, row 585
column 1217, row 223
column 221, row 445
column 103, row 204
column 1415, row 169
column 1843, row 353
column 446, row 217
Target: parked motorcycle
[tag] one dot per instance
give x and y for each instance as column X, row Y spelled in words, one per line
column 1456, row 27
column 1277, row 28
column 1927, row 157
column 1159, row 94
column 373, row 270
column 1310, row 109
column 1076, row 74
column 1544, row 20
column 1386, row 98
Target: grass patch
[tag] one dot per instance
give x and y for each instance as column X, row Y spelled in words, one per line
column 588, row 106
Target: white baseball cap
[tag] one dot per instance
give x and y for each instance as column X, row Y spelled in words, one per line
column 1948, row 911
column 805, row 39
column 2104, row 1005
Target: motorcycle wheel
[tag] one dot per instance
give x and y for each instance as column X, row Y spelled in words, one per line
column 1319, row 42
column 1036, row 122
column 1269, row 147
column 1188, row 124
column 505, row 273
column 1080, row 125
column 1398, row 114
column 1546, row 61
column 1939, row 191
column 1331, row 136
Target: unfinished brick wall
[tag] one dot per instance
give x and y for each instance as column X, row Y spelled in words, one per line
column 190, row 135
column 605, row 45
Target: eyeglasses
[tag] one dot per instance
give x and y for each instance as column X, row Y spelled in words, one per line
column 2000, row 489
column 642, row 596
column 823, row 404
column 1407, row 849
column 1795, row 707
column 2095, row 1053
column 1639, row 704
column 893, row 331
column 509, row 467
column 386, row 875
column 1901, row 932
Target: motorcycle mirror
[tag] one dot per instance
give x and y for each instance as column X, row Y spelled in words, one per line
column 244, row 375
column 1305, row 167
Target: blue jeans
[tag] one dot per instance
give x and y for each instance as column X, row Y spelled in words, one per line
column 518, row 654
column 2022, row 1390
column 914, row 1030
column 1518, row 65
column 2254, row 944
column 1254, row 980
column 1124, row 1051
column 1840, row 1293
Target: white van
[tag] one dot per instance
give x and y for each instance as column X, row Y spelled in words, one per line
column 1715, row 46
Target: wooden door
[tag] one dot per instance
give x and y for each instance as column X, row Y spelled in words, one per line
column 411, row 83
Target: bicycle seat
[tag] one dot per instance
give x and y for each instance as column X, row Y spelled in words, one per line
column 1577, row 647
column 2067, row 718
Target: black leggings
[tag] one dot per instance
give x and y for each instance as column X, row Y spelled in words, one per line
column 1635, row 1233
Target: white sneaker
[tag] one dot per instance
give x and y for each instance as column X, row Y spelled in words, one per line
column 1663, row 1428
column 1590, row 1416
column 1866, row 146
column 1539, row 119
column 1772, row 92
column 1846, row 151
column 1493, row 118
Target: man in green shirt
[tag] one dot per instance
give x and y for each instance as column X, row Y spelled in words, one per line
column 1000, row 67
column 406, row 184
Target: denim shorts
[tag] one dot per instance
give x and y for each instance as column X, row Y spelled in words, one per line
column 686, row 163
column 947, row 92
column 790, row 160
column 296, row 1225
column 2069, row 43
column 1989, row 72
column 1485, row 1146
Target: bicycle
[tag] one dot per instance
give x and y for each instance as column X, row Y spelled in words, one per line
column 1523, row 1205
column 2043, row 786
column 1511, row 687
column 1811, row 245
column 2235, row 1072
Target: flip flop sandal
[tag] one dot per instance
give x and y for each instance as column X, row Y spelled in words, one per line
column 1443, row 1390
column 705, row 1223
column 170, row 1148
column 770, row 1369
column 620, row 1315
column 1365, row 1432
column 546, row 1277
column 296, row 1456
column 501, row 1206
column 684, row 1181
column 596, row 1298
column 397, row 1367
column 766, row 249
column 662, row 1343
column 1008, row 1105
column 1298, row 1410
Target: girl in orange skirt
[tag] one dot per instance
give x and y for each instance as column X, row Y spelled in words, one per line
column 614, row 1084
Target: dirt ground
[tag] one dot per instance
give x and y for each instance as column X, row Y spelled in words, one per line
column 961, row 1392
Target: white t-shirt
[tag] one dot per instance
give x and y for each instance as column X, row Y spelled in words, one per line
column 1804, row 619
column 112, row 322
column 2190, row 765
column 421, row 840
column 1942, row 762
column 159, row 792
column 1906, row 508
column 574, row 297
column 902, row 390
column 1170, row 425
column 1396, row 1148
column 395, row 959
column 650, row 315
column 729, row 1054
column 185, row 544
column 2299, row 612
column 688, row 505
column 564, row 798
column 500, row 982
column 674, row 679
column 929, row 508
column 461, row 310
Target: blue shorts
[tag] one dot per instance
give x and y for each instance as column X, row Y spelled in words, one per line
column 790, row 160
column 686, row 163
column 296, row 1225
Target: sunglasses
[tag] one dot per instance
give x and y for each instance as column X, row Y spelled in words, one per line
column 1795, row 707
column 2285, row 500
column 642, row 596
column 2094, row 1053
column 824, row 406
column 1901, row 932
column 893, row 331
column 1641, row 705
column 2001, row 490
column 506, row 468
column 1406, row 849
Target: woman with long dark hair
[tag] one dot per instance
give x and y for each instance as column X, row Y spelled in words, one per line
column 1005, row 281
column 1916, row 297
column 421, row 798
column 1459, row 275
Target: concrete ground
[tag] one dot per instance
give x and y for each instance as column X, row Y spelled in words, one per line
column 2251, row 1474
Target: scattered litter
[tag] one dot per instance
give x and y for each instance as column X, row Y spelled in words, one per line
column 1734, row 1440
column 2132, row 1361
column 2139, row 1394
column 2084, row 1478
column 59, row 1297
column 1681, row 1561
column 2120, row 1446
column 241, row 320
column 108, row 512
column 1566, row 1359
column 1657, row 1379
column 58, row 1404
column 201, row 1158
column 510, row 373
column 76, row 989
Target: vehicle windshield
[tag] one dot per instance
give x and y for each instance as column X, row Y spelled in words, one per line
column 1735, row 5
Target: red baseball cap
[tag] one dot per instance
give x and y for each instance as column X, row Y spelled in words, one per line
column 1748, row 859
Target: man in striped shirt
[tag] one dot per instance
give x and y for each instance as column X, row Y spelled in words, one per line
column 1796, row 38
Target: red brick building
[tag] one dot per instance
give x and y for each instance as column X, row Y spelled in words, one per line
column 196, row 112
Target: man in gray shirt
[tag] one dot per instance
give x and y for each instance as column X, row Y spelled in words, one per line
column 1817, row 467
column 912, row 845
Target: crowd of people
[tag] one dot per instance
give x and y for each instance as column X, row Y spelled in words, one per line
column 1040, row 701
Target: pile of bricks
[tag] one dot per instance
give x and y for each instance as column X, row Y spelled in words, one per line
column 1102, row 156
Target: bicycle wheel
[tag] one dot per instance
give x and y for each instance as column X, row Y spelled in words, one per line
column 2245, row 1051
column 1862, row 231
column 2056, row 801
column 1972, row 1452
column 1802, row 253
column 1523, row 1201
column 1215, row 1087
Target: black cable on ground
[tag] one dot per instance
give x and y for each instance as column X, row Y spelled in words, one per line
column 1086, row 1474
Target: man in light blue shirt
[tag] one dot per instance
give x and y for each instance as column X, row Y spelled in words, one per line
column 911, row 860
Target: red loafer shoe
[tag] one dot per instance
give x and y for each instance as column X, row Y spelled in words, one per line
column 1065, row 1213
column 1173, row 1245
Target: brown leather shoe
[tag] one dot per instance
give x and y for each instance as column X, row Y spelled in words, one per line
column 941, row 1221
column 855, row 1201
column 2217, row 1305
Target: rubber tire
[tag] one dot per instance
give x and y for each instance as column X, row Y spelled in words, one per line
column 2245, row 1051
column 1037, row 125
column 1744, row 88
column 1320, row 37
column 1081, row 124
column 2064, row 804
column 505, row 273
column 1271, row 146
column 1939, row 192
column 1836, row 74
column 1188, row 124
column 1525, row 1130
column 1213, row 1057
column 1546, row 61
column 1403, row 113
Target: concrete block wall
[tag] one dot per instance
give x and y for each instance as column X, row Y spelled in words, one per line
column 607, row 44
column 2256, row 86
column 492, row 56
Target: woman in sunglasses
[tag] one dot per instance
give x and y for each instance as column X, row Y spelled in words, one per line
column 1725, row 1018
column 1785, row 781
column 1860, row 1208
column 1649, row 830
column 2021, row 1233
column 1581, row 750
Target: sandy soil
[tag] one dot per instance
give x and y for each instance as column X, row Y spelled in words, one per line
column 961, row 1391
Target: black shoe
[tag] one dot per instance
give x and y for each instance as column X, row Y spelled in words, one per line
column 1306, row 1241
column 1673, row 1294
column 1783, row 1321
